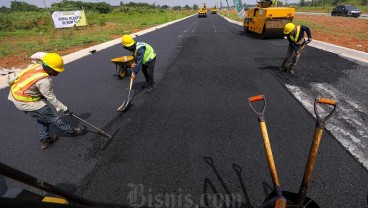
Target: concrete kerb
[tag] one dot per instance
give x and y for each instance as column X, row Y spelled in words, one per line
column 341, row 51
column 88, row 51
column 351, row 54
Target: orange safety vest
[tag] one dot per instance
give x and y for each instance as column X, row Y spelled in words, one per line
column 26, row 79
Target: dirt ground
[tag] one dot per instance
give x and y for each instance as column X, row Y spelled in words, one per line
column 342, row 31
column 347, row 32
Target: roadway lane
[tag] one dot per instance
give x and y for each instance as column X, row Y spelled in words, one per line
column 88, row 88
column 206, row 69
column 198, row 113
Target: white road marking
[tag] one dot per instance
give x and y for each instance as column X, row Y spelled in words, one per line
column 346, row 126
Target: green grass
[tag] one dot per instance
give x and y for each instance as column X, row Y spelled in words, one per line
column 29, row 32
column 233, row 16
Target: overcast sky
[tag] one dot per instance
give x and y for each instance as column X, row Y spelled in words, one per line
column 210, row 3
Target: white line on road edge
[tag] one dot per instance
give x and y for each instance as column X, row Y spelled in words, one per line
column 353, row 140
column 85, row 52
column 346, row 126
column 341, row 51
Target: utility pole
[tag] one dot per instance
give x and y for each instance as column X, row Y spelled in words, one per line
column 122, row 3
column 44, row 3
column 228, row 8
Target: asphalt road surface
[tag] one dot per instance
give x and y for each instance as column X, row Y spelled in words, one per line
column 195, row 134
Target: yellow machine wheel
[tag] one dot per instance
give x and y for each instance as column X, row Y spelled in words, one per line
column 274, row 33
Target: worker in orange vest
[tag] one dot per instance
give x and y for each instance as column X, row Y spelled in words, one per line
column 29, row 90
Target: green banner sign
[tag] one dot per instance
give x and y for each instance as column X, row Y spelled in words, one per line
column 239, row 8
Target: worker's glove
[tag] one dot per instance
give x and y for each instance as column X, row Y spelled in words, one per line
column 68, row 112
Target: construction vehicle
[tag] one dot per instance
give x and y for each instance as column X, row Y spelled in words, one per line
column 202, row 12
column 214, row 10
column 268, row 20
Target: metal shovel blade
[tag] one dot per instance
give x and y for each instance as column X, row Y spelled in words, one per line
column 125, row 104
column 122, row 107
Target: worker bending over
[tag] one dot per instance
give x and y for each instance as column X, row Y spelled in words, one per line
column 29, row 89
column 145, row 58
column 295, row 36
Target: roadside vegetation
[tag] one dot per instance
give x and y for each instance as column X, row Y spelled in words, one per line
column 25, row 28
column 326, row 6
column 326, row 9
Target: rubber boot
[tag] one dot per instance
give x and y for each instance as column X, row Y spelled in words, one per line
column 45, row 143
column 79, row 131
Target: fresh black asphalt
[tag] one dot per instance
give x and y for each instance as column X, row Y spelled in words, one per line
column 195, row 133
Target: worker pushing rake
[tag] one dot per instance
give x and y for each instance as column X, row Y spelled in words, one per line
column 283, row 199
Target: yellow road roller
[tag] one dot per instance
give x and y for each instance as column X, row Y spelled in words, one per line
column 214, row 10
column 268, row 20
column 202, row 12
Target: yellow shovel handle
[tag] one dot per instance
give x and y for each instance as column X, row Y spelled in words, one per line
column 270, row 160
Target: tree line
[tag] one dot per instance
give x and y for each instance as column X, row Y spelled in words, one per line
column 316, row 3
column 100, row 7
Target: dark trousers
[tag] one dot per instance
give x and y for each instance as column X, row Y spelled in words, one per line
column 45, row 117
column 148, row 72
column 289, row 53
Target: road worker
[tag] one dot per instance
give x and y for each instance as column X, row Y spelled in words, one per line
column 268, row 3
column 274, row 3
column 145, row 58
column 295, row 36
column 29, row 90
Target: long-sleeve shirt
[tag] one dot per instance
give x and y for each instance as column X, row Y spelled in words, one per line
column 139, row 59
column 43, row 86
column 303, row 29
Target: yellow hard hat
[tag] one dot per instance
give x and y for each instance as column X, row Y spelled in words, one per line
column 54, row 61
column 127, row 40
column 288, row 28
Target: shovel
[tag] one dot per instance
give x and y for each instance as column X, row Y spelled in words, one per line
column 279, row 201
column 98, row 129
column 315, row 146
column 126, row 103
column 288, row 63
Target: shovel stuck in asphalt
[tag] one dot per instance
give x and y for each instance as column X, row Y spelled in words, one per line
column 126, row 103
column 99, row 130
column 321, row 121
column 279, row 201
column 288, row 199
